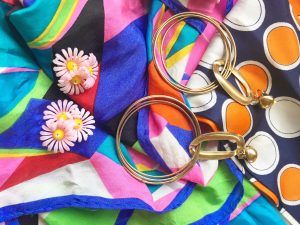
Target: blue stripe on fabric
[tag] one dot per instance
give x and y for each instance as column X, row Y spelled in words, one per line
column 12, row 222
column 177, row 7
column 123, row 217
column 144, row 139
column 221, row 216
column 229, row 6
column 79, row 201
column 120, row 77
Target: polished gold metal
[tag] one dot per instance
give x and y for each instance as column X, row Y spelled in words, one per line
column 136, row 106
column 249, row 98
column 242, row 152
column 229, row 45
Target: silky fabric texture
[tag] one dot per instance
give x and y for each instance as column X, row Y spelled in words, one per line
column 82, row 178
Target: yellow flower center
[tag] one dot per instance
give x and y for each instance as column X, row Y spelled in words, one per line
column 58, row 134
column 71, row 65
column 76, row 80
column 90, row 69
column 62, row 116
column 78, row 123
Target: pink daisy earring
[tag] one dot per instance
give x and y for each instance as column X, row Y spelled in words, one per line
column 84, row 124
column 59, row 110
column 77, row 72
column 58, row 136
column 65, row 124
column 70, row 60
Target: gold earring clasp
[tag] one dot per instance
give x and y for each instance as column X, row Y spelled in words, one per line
column 242, row 152
column 249, row 98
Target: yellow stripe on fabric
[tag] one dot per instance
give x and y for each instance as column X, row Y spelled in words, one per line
column 179, row 55
column 175, row 37
column 40, row 88
column 51, row 24
column 159, row 21
column 16, row 155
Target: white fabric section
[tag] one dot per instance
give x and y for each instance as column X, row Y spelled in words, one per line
column 288, row 218
column 41, row 218
column 170, row 150
column 166, row 189
column 267, row 153
column 209, row 167
column 283, row 117
column 214, row 51
column 177, row 70
column 200, row 103
column 78, row 179
column 246, row 15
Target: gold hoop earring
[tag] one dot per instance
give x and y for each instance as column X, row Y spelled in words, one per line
column 196, row 154
column 229, row 58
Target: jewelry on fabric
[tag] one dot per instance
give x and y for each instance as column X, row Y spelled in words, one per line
column 242, row 152
column 64, row 125
column 265, row 101
column 222, row 68
column 229, row 57
column 76, row 72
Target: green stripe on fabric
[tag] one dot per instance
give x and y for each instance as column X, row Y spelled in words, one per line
column 137, row 146
column 72, row 216
column 63, row 14
column 33, row 20
column 203, row 200
column 40, row 88
column 23, row 151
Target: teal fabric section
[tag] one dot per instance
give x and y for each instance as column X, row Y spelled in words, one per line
column 187, row 36
column 14, row 52
column 41, row 13
column 45, row 57
column 259, row 212
column 14, row 86
column 108, row 148
column 156, row 5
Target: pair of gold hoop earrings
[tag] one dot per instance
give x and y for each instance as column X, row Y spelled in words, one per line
column 222, row 68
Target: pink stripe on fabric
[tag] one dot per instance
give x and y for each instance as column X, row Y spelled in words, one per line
column 139, row 158
column 195, row 175
column 156, row 124
column 74, row 16
column 163, row 202
column 125, row 186
column 7, row 168
column 15, row 69
column 127, row 11
column 240, row 209
column 202, row 43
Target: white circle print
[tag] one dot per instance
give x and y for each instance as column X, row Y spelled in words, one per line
column 200, row 103
column 267, row 153
column 284, row 117
column 246, row 15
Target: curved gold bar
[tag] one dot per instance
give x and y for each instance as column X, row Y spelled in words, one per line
column 234, row 93
column 249, row 98
column 241, row 151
